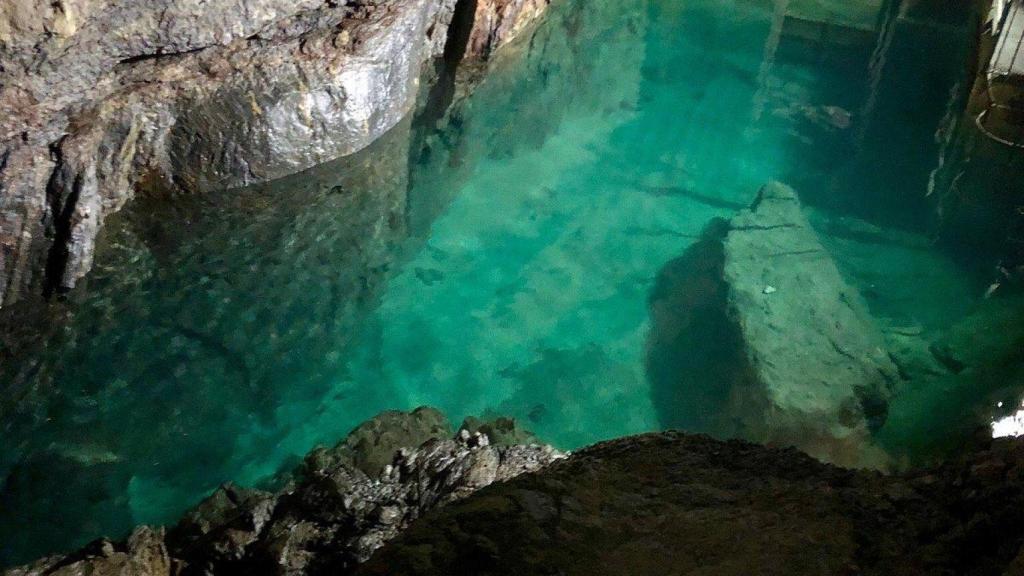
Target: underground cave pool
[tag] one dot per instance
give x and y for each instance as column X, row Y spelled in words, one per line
column 501, row 259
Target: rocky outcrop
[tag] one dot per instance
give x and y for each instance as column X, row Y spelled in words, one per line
column 373, row 444
column 497, row 22
column 677, row 504
column 103, row 97
column 340, row 505
column 174, row 94
column 650, row 504
column 143, row 553
column 757, row 320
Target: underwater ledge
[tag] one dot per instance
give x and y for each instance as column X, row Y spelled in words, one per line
column 402, row 495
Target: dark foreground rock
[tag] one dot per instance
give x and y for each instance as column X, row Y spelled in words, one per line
column 756, row 320
column 677, row 504
column 338, row 507
column 142, row 554
column 656, row 504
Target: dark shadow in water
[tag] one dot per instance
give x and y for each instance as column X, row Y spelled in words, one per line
column 694, row 351
column 442, row 91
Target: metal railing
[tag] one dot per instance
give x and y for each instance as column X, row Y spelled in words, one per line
column 1004, row 64
column 999, row 15
column 1008, row 16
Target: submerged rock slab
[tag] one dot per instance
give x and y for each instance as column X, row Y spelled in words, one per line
column 978, row 379
column 770, row 334
column 688, row 505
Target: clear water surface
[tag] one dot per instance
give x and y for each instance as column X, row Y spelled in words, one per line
column 501, row 264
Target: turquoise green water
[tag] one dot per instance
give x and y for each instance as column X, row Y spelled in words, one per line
column 499, row 265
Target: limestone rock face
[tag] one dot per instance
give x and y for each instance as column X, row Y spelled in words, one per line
column 195, row 95
column 499, row 21
column 776, row 337
column 101, row 97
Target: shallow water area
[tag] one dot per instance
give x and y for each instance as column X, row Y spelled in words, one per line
column 502, row 264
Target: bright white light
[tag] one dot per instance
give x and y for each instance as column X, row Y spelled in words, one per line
column 1012, row 425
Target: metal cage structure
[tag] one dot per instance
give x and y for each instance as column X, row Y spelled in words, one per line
column 1005, row 73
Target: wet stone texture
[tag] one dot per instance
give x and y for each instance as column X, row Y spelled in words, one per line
column 100, row 97
column 277, row 91
column 758, row 319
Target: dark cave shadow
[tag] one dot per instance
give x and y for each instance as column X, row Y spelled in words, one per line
column 694, row 351
column 442, row 92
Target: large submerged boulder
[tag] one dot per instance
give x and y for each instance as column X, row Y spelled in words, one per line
column 757, row 335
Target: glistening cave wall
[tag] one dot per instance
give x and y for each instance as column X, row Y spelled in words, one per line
column 100, row 98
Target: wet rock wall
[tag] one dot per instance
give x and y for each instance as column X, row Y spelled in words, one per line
column 101, row 99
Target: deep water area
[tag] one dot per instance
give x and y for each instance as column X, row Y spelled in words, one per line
column 502, row 260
